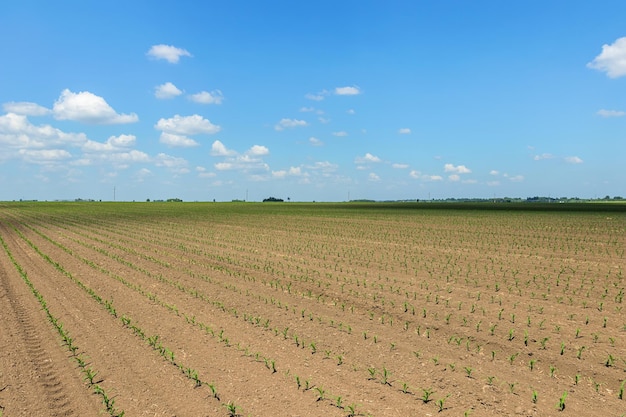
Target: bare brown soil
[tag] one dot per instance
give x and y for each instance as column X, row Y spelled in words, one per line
column 213, row 310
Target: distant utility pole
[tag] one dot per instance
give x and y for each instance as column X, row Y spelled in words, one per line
column 246, row 194
column 113, row 193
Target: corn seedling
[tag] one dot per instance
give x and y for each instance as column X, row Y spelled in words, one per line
column 338, row 402
column 427, row 394
column 561, row 404
column 405, row 388
column 552, row 371
column 351, row 410
column 231, row 408
column 441, row 403
column 385, row 376
column 320, row 393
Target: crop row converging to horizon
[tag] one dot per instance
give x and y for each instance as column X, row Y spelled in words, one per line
column 339, row 306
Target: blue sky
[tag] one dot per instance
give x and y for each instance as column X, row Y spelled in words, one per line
column 324, row 100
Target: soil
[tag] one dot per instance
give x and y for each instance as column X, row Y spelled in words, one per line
column 207, row 311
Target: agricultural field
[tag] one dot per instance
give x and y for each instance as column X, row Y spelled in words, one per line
column 292, row 309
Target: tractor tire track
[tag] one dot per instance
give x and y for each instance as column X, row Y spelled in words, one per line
column 35, row 362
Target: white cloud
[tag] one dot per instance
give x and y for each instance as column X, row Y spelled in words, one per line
column 44, row 156
column 167, row 90
column 404, row 131
column 248, row 162
column 258, row 150
column 203, row 173
column 218, row 149
column 340, row 134
column 87, row 107
column 454, row 177
column 517, row 178
column 167, row 52
column 367, row 158
column 415, row 174
column 612, row 59
column 460, row 169
column 307, row 109
column 113, row 143
column 289, row 123
column 494, row 172
column 26, row 108
column 324, row 166
column 205, row 97
column 16, row 132
column 433, row 177
column 317, row 96
column 347, row 91
column 323, row 120
column 611, row 113
column 223, row 166
column 293, row 171
column 573, row 160
column 400, row 166
column 543, row 156
column 350, row 111
column 315, row 141
column 172, row 163
column 373, row 177
column 187, row 125
column 172, row 139
column 493, row 183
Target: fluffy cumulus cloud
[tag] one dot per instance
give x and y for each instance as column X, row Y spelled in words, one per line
column 173, row 164
column 612, row 59
column 113, row 144
column 174, row 140
column 459, row 169
column 289, row 123
column 167, row 52
column 166, row 91
column 258, row 150
column 218, row 149
column 291, row 172
column 176, row 130
column 315, row 141
column 400, row 166
column 89, row 108
column 17, row 132
column 44, row 156
column 367, row 158
column 543, row 156
column 404, row 131
column 373, row 177
column 205, row 97
column 573, row 160
column 340, row 134
column 347, row 91
column 26, row 108
column 249, row 162
column 187, row 125
column 611, row 113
